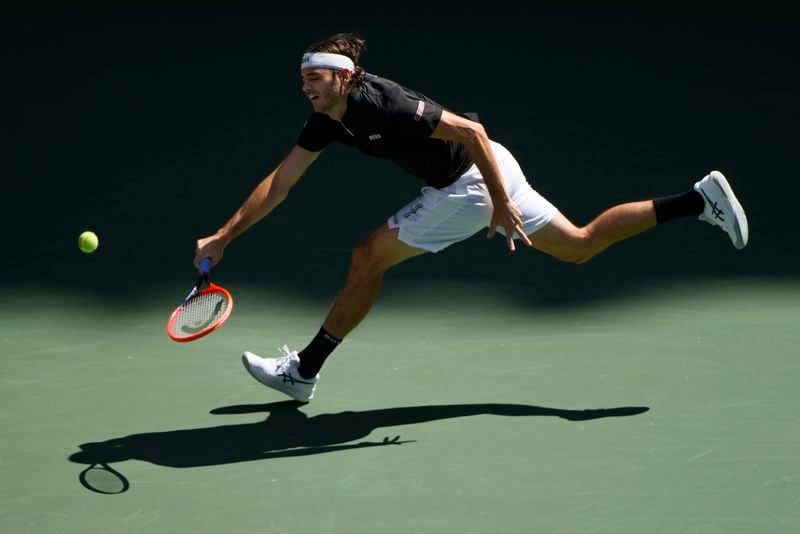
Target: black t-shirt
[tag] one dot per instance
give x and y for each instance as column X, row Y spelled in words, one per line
column 386, row 120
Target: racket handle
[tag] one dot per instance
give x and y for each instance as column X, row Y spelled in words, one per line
column 205, row 266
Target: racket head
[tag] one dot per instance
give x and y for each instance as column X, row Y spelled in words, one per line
column 200, row 315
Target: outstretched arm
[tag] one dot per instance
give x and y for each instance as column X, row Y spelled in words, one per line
column 473, row 136
column 267, row 195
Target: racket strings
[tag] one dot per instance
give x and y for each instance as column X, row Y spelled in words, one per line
column 200, row 313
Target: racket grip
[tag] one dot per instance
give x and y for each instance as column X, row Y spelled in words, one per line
column 205, row 266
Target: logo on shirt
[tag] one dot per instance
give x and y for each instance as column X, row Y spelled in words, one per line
column 374, row 137
column 420, row 109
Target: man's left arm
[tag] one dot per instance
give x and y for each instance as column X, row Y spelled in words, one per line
column 473, row 136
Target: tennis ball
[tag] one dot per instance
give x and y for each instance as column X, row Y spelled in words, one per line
column 88, row 242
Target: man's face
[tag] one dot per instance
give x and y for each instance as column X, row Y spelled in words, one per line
column 322, row 87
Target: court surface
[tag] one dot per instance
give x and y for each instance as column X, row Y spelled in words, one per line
column 456, row 407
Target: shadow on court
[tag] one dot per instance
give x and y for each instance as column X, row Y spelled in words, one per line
column 289, row 432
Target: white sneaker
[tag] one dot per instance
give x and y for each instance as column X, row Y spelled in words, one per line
column 722, row 208
column 281, row 374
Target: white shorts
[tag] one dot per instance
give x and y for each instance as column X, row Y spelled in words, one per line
column 440, row 217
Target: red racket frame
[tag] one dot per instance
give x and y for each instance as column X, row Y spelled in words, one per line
column 210, row 289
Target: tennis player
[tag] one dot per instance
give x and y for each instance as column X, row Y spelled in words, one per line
column 470, row 183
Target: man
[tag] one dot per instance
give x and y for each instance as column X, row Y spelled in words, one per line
column 471, row 183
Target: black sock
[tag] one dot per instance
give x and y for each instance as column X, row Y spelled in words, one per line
column 313, row 356
column 681, row 205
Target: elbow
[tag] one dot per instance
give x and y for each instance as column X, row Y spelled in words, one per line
column 279, row 194
column 475, row 135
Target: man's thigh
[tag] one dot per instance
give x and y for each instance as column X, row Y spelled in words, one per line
column 383, row 247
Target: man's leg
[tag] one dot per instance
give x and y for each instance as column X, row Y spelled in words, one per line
column 710, row 199
column 296, row 373
column 370, row 260
column 565, row 241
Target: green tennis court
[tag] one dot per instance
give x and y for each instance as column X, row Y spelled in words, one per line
column 668, row 411
column 654, row 389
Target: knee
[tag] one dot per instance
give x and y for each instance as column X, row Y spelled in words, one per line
column 580, row 249
column 581, row 258
column 366, row 259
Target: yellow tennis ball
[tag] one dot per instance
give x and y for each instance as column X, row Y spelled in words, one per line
column 88, row 242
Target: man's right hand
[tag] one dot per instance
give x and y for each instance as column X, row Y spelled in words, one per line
column 209, row 247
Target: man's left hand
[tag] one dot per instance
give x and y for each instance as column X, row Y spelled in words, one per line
column 506, row 215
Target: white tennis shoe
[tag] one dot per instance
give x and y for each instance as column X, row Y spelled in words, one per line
column 281, row 374
column 722, row 208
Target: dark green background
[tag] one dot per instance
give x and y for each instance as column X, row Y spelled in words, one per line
column 151, row 124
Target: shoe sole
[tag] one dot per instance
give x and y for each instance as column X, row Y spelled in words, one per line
column 271, row 386
column 740, row 226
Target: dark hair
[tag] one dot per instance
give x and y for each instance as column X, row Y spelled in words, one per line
column 346, row 44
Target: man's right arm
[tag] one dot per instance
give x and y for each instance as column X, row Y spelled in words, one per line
column 267, row 195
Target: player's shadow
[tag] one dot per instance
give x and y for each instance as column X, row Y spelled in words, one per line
column 287, row 431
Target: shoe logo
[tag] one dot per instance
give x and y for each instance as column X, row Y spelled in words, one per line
column 289, row 378
column 715, row 210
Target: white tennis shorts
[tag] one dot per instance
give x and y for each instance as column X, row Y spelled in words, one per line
column 437, row 218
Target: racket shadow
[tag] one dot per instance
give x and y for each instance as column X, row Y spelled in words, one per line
column 288, row 432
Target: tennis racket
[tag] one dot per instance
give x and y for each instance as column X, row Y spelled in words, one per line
column 202, row 311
